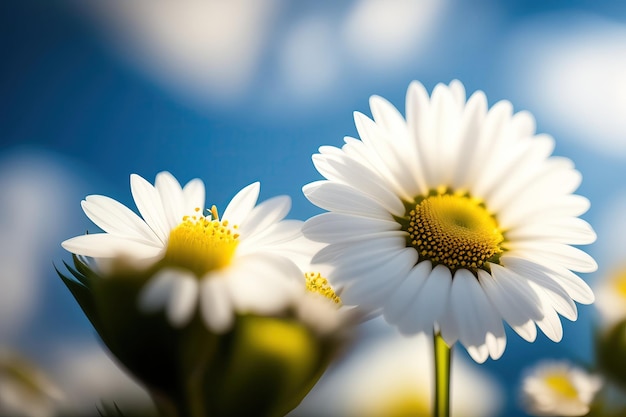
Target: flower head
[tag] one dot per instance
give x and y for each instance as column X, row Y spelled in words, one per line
column 386, row 375
column 558, row 389
column 25, row 390
column 228, row 263
column 452, row 220
column 611, row 295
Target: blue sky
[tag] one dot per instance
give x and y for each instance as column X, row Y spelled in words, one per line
column 234, row 94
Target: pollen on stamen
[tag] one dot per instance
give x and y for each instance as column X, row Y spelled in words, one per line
column 316, row 283
column 214, row 213
column 454, row 230
column 201, row 244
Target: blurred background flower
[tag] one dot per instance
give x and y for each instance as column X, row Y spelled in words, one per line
column 391, row 375
column 558, row 388
column 248, row 90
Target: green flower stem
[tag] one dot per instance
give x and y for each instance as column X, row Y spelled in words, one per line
column 442, row 377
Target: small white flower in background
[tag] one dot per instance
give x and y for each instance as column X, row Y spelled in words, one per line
column 90, row 378
column 25, row 391
column 558, row 389
column 233, row 262
column 390, row 375
column 453, row 220
column 611, row 296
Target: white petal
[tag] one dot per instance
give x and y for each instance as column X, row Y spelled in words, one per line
column 522, row 165
column 396, row 136
column 372, row 289
column 558, row 206
column 264, row 215
column 514, row 299
column 556, row 177
column 172, row 198
column 281, row 235
column 540, row 276
column 382, row 156
column 445, row 118
column 569, row 230
column 194, row 194
column 550, row 325
column 458, row 91
column 554, row 254
column 467, row 135
column 345, row 199
column 430, row 303
column 154, row 296
column 215, row 304
column 117, row 219
column 103, row 245
column 417, row 109
column 358, row 256
column 337, row 227
column 264, row 284
column 183, row 300
column 576, row 288
column 448, row 327
column 242, row 204
column 402, row 297
column 348, row 171
column 489, row 142
column 148, row 202
column 476, row 317
column 386, row 115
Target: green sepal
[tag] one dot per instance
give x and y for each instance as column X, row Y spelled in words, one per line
column 81, row 292
column 192, row 372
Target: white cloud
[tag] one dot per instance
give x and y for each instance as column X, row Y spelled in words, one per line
column 319, row 52
column 202, row 50
column 34, row 213
column 309, row 60
column 384, row 34
column 571, row 69
column 213, row 51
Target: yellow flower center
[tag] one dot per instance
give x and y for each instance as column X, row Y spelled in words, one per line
column 201, row 244
column 454, row 230
column 620, row 283
column 316, row 283
column 562, row 385
column 401, row 402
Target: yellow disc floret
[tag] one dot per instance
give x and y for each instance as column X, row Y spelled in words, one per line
column 561, row 384
column 316, row 283
column 201, row 244
column 619, row 283
column 454, row 230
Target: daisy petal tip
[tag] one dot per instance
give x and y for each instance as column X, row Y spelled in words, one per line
column 165, row 175
column 218, row 325
column 179, row 319
column 478, row 353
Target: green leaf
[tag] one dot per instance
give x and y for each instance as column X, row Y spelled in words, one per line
column 82, row 294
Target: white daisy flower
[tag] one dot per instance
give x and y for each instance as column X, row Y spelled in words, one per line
column 387, row 375
column 225, row 264
column 452, row 220
column 558, row 389
column 25, row 390
column 611, row 296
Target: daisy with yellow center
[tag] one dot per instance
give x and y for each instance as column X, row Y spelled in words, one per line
column 558, row 389
column 611, row 295
column 452, row 220
column 236, row 262
column 386, row 377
